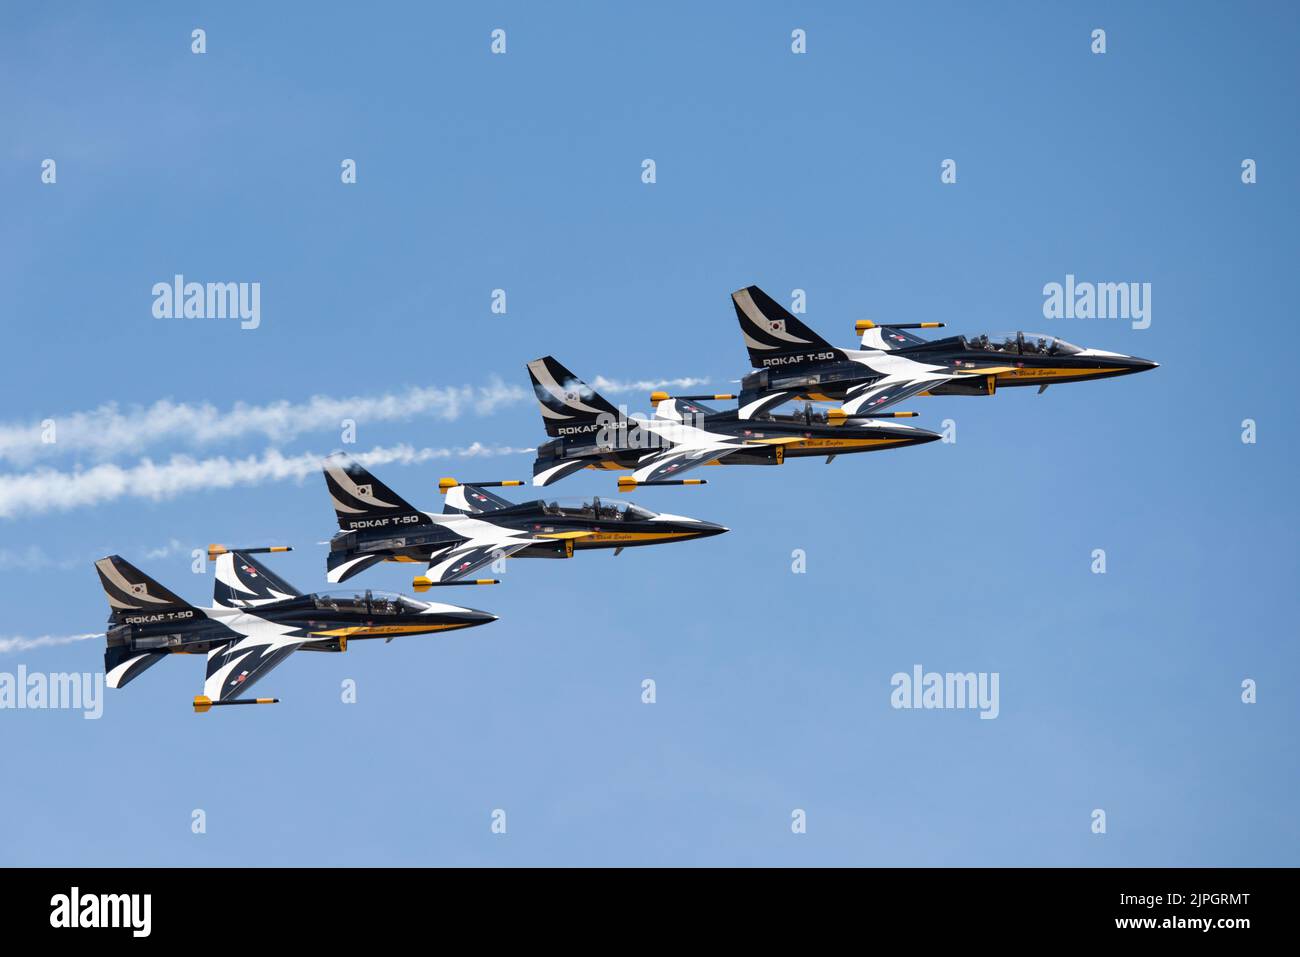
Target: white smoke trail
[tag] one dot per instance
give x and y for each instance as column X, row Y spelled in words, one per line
column 619, row 386
column 30, row 558
column 108, row 431
column 47, row 489
column 34, row 558
column 19, row 643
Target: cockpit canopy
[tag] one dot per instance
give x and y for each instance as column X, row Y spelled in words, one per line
column 804, row 416
column 616, row 510
column 1022, row 344
column 368, row 602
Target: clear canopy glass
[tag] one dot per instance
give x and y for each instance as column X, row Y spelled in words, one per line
column 613, row 510
column 368, row 602
column 1022, row 344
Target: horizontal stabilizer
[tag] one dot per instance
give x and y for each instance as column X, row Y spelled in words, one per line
column 549, row 471
column 340, row 566
column 123, row 665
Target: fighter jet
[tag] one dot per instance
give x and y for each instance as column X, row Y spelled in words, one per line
column 478, row 527
column 893, row 365
column 256, row 621
column 589, row 432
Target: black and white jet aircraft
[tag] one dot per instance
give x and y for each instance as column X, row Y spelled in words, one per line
column 256, row 621
column 892, row 365
column 477, row 527
column 589, row 432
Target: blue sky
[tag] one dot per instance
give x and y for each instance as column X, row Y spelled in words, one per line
column 819, row 172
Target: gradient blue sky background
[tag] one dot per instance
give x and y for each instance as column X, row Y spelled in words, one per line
column 821, row 172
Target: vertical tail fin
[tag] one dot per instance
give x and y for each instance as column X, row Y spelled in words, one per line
column 132, row 594
column 362, row 501
column 569, row 405
column 770, row 330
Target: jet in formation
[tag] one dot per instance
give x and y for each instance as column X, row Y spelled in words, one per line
column 893, row 364
column 478, row 527
column 587, row 431
column 257, row 619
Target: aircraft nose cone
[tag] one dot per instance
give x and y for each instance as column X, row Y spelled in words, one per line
column 924, row 435
column 705, row 529
column 469, row 617
column 1142, row 365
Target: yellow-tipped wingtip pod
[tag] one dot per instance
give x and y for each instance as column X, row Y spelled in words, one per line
column 656, row 397
column 444, row 484
column 423, row 584
column 215, row 550
column 203, row 703
column 862, row 325
column 626, row 484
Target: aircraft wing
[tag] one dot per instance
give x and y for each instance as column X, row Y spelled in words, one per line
column 472, row 554
column 239, row 664
column 879, row 394
column 673, row 462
